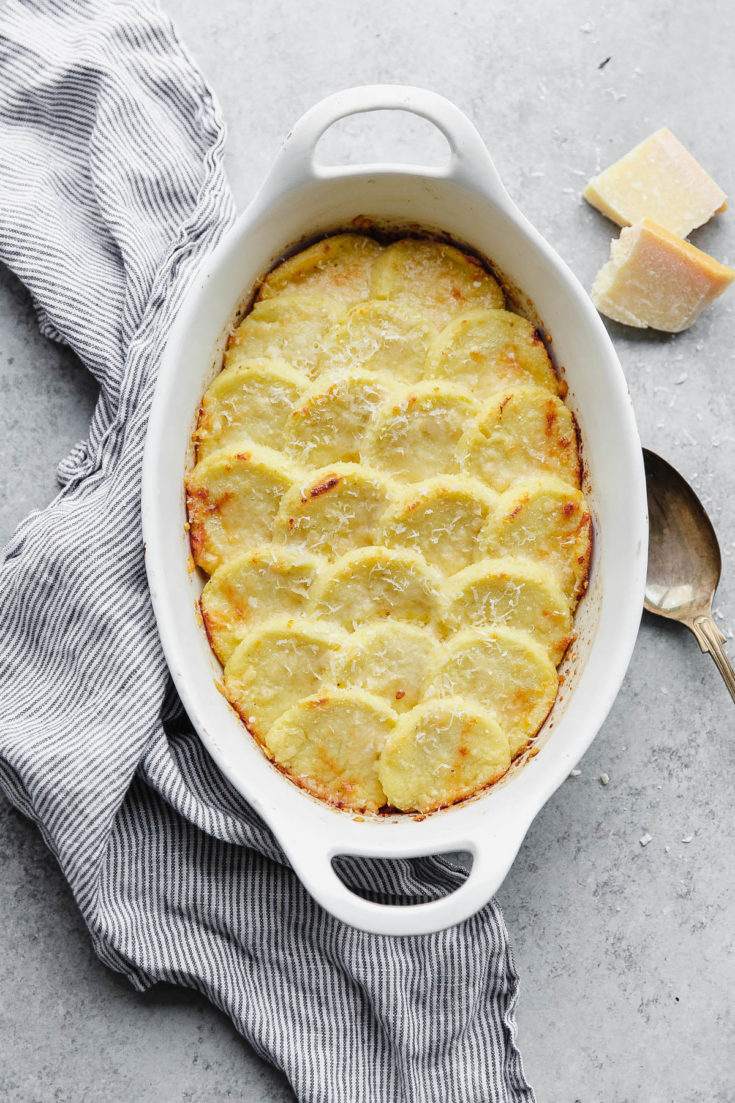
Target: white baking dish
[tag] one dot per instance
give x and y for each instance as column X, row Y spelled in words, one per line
column 467, row 201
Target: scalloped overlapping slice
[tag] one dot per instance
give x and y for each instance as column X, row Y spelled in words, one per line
column 340, row 266
column 336, row 510
column 441, row 752
column 276, row 664
column 329, row 423
column 380, row 336
column 512, row 593
column 250, row 401
column 374, row 584
column 488, row 350
column 546, row 520
column 290, row 327
column 388, row 658
column 417, row 436
column 233, row 497
column 519, row 433
column 331, row 742
column 257, row 586
column 434, row 279
column 441, row 518
column 505, row 669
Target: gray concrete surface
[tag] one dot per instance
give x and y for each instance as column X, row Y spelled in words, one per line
column 625, row 953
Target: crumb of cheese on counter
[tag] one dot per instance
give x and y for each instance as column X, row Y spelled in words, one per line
column 656, row 279
column 659, row 180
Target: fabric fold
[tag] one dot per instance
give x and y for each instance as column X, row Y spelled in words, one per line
column 112, row 192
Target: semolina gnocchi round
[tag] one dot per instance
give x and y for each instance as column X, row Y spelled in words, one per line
column 486, row 350
column 505, row 669
column 256, row 586
column 276, row 664
column 336, row 510
column 331, row 741
column 232, row 498
column 417, row 436
column 250, row 401
column 510, row 592
column 441, row 518
column 434, row 279
column 379, row 336
column 290, row 327
column 519, row 433
column 376, row 583
column 340, row 266
column 388, row 658
column 329, row 423
column 441, row 752
column 546, row 520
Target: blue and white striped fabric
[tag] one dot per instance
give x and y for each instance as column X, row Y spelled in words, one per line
column 111, row 191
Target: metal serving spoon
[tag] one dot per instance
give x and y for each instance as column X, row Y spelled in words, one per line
column 684, row 560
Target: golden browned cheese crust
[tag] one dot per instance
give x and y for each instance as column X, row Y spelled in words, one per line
column 387, row 497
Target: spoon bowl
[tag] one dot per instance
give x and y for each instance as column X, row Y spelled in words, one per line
column 684, row 561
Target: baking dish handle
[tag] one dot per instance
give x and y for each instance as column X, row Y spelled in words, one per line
column 491, row 860
column 469, row 163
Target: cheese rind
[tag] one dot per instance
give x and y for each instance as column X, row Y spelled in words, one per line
column 656, row 279
column 659, row 180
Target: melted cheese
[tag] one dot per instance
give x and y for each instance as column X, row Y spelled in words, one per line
column 380, row 337
column 417, row 436
column 335, row 510
column 441, row 518
column 520, row 432
column 249, row 402
column 276, row 664
column 254, row 587
column 340, row 266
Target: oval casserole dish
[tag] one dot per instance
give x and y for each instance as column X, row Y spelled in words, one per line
column 465, row 202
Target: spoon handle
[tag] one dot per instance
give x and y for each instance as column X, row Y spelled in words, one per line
column 711, row 639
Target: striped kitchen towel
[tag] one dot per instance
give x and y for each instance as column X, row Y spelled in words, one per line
column 112, row 190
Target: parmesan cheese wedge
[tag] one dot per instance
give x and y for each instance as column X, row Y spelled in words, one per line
column 659, row 180
column 655, row 279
